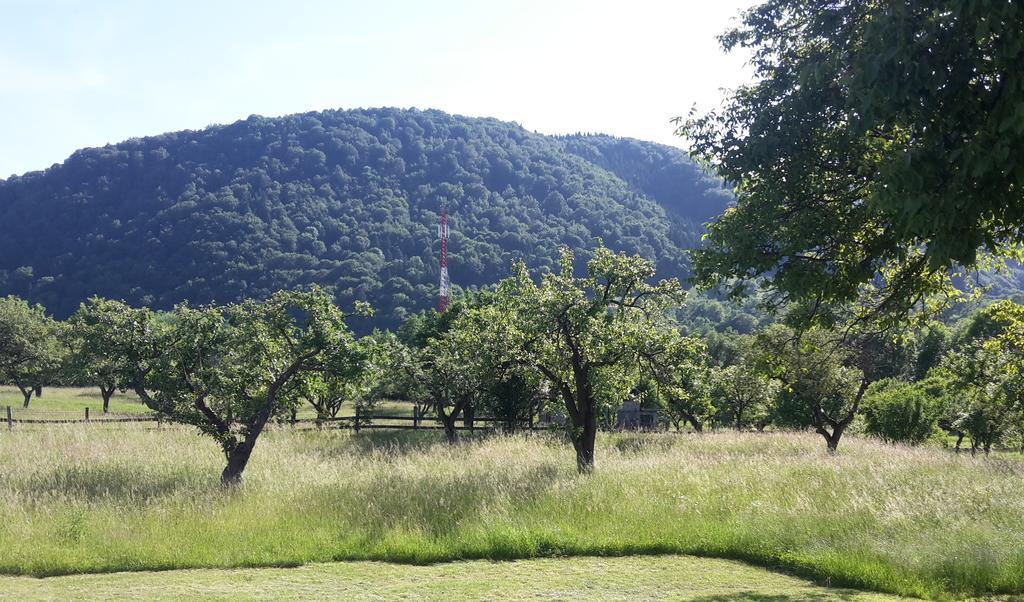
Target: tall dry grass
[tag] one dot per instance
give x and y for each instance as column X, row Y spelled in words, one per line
column 921, row 522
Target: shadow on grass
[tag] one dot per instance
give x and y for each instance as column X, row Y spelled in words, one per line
column 109, row 483
column 634, row 443
column 751, row 596
column 388, row 442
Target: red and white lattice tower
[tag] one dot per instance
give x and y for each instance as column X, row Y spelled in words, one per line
column 442, row 233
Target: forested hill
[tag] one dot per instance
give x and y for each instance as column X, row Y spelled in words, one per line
column 347, row 199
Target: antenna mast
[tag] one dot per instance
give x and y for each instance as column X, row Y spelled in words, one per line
column 442, row 233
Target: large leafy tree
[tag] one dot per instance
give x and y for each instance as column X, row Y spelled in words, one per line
column 433, row 359
column 987, row 378
column 437, row 376
column 902, row 412
column 116, row 345
column 30, row 346
column 877, row 145
column 677, row 367
column 93, row 334
column 583, row 334
column 229, row 369
column 824, row 374
column 743, row 395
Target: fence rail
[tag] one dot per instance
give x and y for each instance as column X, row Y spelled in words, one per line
column 362, row 420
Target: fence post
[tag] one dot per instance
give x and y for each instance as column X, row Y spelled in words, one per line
column 87, row 414
column 357, row 419
column 415, row 417
column 10, row 419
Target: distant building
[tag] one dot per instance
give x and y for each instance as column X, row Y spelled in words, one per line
column 633, row 417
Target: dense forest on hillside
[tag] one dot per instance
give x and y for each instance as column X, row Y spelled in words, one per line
column 346, row 199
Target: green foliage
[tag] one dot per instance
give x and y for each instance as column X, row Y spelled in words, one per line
column 675, row 373
column 228, row 370
column 873, row 151
column 115, row 344
column 901, row 412
column 513, row 400
column 437, row 365
column 30, row 345
column 346, row 199
column 987, row 375
column 822, row 380
column 581, row 334
column 743, row 396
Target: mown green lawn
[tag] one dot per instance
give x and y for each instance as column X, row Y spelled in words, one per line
column 591, row 579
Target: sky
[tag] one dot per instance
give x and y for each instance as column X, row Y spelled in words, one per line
column 76, row 73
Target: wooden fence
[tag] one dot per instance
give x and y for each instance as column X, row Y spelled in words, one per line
column 420, row 420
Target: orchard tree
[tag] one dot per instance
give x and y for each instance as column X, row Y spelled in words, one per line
column 31, row 350
column 743, row 396
column 228, row 370
column 939, row 384
column 93, row 356
column 582, row 334
column 114, row 345
column 874, row 152
column 435, row 376
column 820, row 386
column 824, row 373
column 677, row 366
column 358, row 382
column 512, row 398
column 987, row 375
column 902, row 412
column 432, row 358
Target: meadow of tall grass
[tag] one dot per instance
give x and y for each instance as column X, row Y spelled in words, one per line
column 913, row 521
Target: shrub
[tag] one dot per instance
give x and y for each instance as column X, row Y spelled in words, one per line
column 901, row 412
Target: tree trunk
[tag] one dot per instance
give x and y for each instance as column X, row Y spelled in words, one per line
column 583, row 438
column 838, row 426
column 739, row 419
column 238, row 458
column 39, row 390
column 106, row 393
column 697, row 425
column 450, row 432
column 832, row 443
column 959, row 440
column 26, row 392
column 832, row 439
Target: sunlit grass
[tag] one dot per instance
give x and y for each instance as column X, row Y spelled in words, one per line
column 67, row 403
column 920, row 521
column 569, row 578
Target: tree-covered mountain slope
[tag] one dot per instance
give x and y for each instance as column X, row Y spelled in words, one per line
column 347, row 199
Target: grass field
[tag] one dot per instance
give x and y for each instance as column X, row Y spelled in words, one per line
column 591, row 579
column 920, row 522
column 68, row 402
